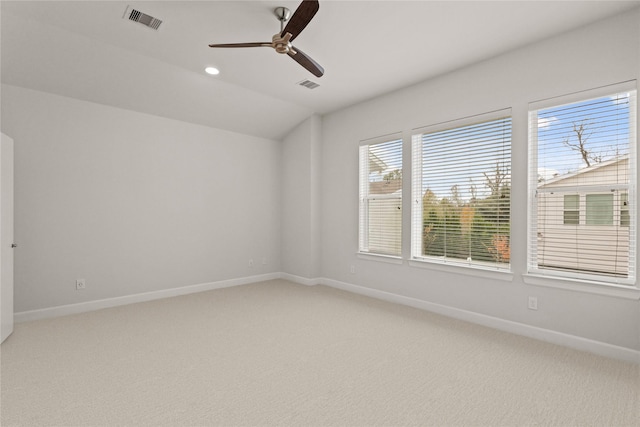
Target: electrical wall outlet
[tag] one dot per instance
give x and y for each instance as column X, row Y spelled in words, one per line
column 352, row 269
column 251, row 262
column 81, row 284
column 533, row 303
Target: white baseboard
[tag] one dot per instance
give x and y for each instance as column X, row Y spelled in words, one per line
column 571, row 341
column 559, row 338
column 299, row 279
column 64, row 310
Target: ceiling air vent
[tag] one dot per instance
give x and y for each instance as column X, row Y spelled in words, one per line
column 137, row 16
column 308, row 84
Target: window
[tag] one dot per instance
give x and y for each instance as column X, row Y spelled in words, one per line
column 582, row 172
column 571, row 209
column 599, row 209
column 381, row 197
column 461, row 192
column 624, row 210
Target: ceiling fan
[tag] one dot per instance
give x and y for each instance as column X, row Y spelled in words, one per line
column 281, row 41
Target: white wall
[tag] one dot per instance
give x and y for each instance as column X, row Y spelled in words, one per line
column 597, row 55
column 300, row 200
column 6, row 236
column 133, row 203
column 136, row 203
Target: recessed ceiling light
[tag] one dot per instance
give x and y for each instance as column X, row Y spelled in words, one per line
column 212, row 70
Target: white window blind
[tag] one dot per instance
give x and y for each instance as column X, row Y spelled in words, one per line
column 380, row 229
column 461, row 187
column 582, row 175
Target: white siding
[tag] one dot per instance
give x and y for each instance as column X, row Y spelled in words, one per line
column 589, row 248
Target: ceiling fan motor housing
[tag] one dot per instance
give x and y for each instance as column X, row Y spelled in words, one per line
column 282, row 44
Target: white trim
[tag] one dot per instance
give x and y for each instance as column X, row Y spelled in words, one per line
column 591, row 287
column 584, row 95
column 502, row 113
column 417, row 201
column 474, row 270
column 370, row 256
column 390, row 137
column 299, row 279
column 558, row 338
column 83, row 307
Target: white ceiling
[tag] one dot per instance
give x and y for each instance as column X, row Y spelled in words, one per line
column 86, row 50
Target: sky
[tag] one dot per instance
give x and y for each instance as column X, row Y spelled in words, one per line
column 605, row 125
column 462, row 156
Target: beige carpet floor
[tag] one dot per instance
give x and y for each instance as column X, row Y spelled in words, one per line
column 279, row 354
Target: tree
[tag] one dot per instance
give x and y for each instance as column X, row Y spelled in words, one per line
column 439, row 222
column 432, row 218
column 477, row 229
column 497, row 181
column 466, row 219
column 455, row 195
column 582, row 136
column 473, row 190
column 496, row 207
column 500, row 249
column 393, row 175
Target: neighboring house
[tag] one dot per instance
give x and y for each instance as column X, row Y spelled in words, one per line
column 385, row 223
column 385, row 210
column 583, row 219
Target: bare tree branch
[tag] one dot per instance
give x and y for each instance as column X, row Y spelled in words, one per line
column 495, row 182
column 580, row 129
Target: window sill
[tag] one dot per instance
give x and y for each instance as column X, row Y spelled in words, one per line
column 598, row 288
column 379, row 257
column 475, row 271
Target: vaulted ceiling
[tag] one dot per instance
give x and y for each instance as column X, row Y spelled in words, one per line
column 87, row 50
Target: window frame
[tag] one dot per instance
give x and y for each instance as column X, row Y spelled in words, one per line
column 600, row 284
column 365, row 198
column 492, row 269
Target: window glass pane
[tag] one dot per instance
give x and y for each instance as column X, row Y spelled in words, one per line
column 385, row 224
column 624, row 210
column 381, row 198
column 385, row 170
column 462, row 191
column 571, row 209
column 599, row 209
column 580, row 167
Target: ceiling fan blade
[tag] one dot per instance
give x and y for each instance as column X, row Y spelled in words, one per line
column 301, row 17
column 257, row 44
column 303, row 59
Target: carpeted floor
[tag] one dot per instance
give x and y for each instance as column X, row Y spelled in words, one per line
column 278, row 354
